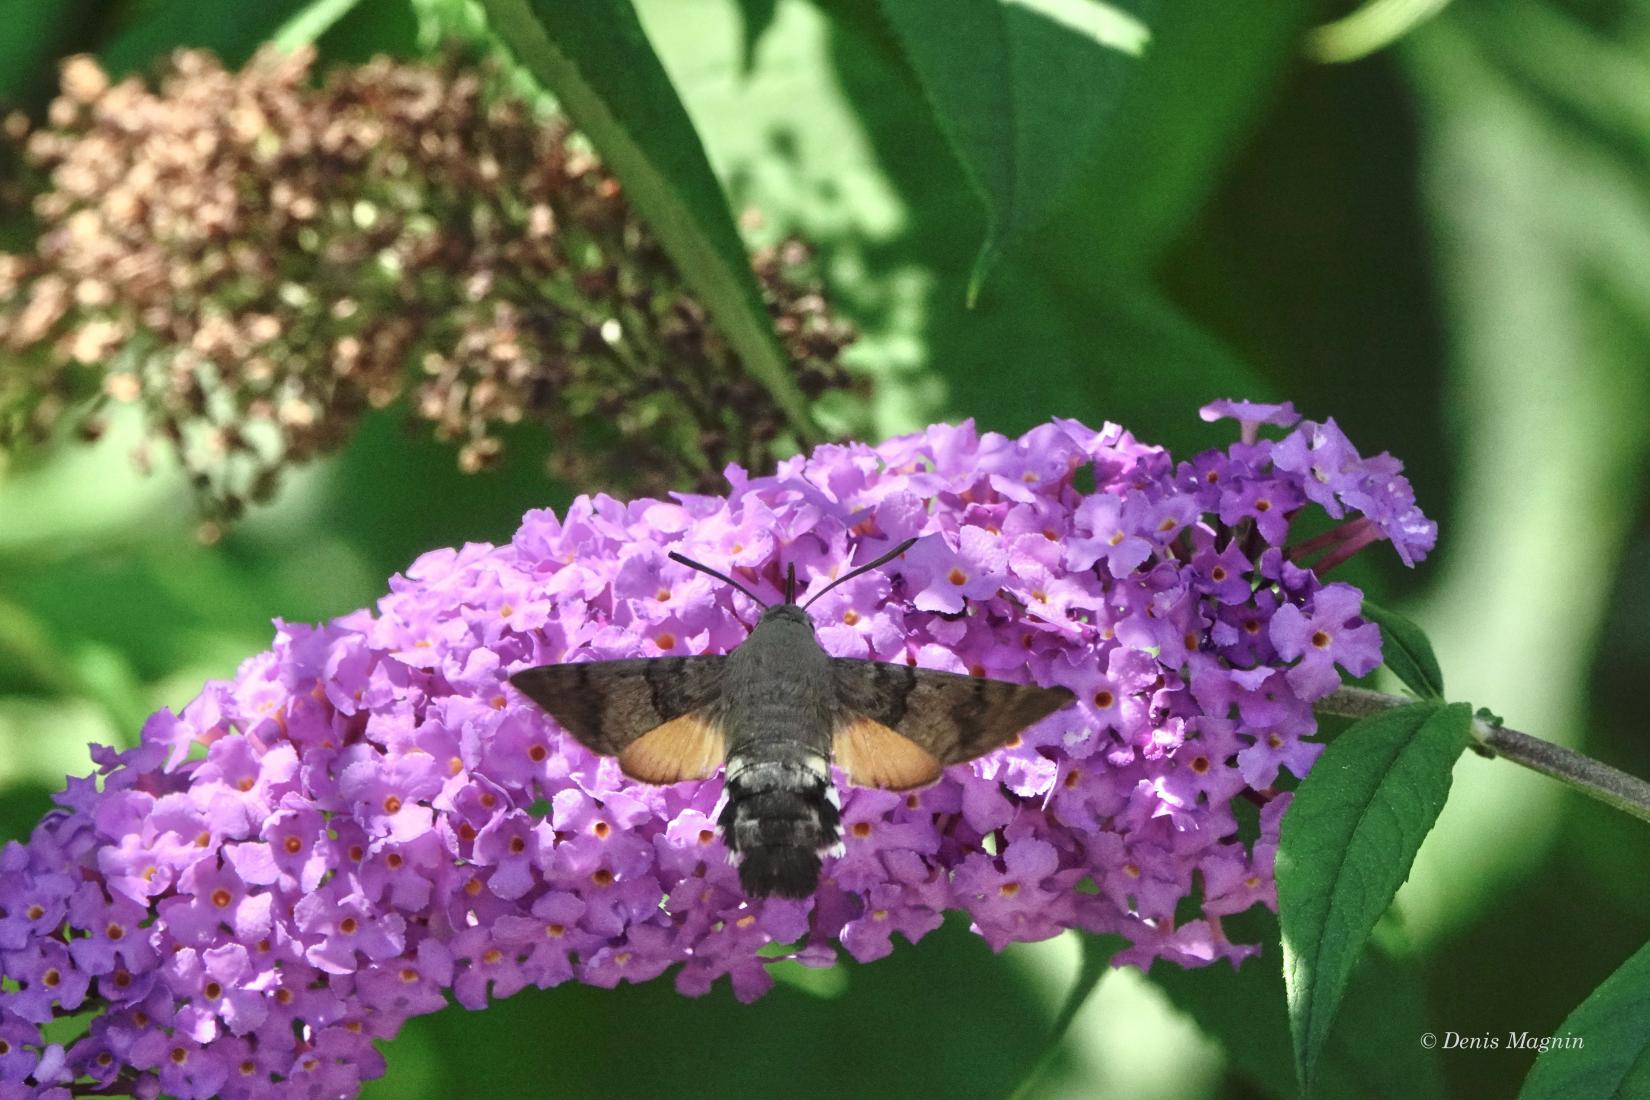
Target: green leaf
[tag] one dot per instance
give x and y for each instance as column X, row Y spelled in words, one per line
column 1374, row 26
column 310, row 22
column 1371, row 1050
column 36, row 31
column 595, row 59
column 1612, row 1033
column 756, row 18
column 1345, row 846
column 1095, row 961
column 1020, row 90
column 1192, row 102
column 1406, row 650
column 232, row 31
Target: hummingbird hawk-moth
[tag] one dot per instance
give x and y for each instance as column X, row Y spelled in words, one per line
column 778, row 710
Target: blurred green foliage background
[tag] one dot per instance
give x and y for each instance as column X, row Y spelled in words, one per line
column 1445, row 246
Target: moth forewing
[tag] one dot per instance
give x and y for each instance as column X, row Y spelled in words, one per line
column 948, row 718
column 656, row 713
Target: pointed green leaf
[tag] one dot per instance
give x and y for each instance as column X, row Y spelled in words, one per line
column 1603, row 1047
column 1345, row 846
column 1371, row 1051
column 595, row 59
column 1406, row 650
column 1021, row 89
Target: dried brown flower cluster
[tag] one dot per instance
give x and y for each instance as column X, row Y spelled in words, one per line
column 257, row 260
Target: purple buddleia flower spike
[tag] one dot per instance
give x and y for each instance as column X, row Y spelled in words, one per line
column 368, row 818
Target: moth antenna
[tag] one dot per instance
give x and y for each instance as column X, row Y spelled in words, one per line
column 879, row 563
column 790, row 583
column 723, row 577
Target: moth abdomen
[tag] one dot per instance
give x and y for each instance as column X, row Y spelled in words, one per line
column 778, row 818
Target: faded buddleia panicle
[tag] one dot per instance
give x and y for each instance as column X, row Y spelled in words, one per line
column 368, row 818
column 256, row 260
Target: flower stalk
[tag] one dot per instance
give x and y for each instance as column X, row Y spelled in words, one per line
column 1593, row 778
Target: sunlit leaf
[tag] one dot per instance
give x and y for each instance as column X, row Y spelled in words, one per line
column 1020, row 90
column 310, row 22
column 597, row 62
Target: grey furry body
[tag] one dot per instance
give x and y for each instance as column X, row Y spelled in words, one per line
column 777, row 702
